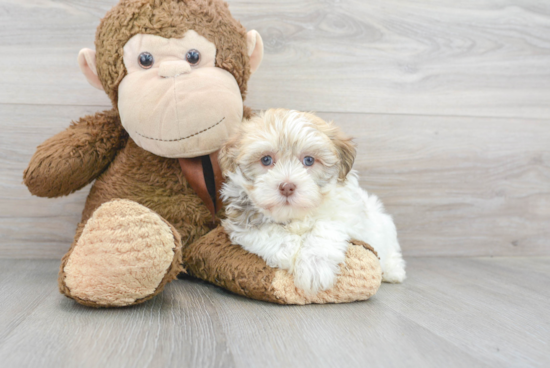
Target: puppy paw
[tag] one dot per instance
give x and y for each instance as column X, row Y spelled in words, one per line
column 319, row 262
column 394, row 270
column 313, row 273
column 359, row 278
column 394, row 278
column 285, row 256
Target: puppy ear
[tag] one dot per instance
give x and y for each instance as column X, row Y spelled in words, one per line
column 346, row 151
column 343, row 142
column 228, row 155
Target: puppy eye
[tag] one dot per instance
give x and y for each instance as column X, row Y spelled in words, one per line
column 146, row 60
column 193, row 57
column 308, row 161
column 267, row 160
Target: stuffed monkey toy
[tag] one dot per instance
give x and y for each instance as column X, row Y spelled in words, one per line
column 176, row 72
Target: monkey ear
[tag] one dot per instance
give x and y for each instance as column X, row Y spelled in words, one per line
column 86, row 61
column 255, row 49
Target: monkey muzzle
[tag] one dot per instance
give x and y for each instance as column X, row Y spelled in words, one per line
column 175, row 113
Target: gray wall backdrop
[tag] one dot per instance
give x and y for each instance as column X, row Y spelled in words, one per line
column 449, row 102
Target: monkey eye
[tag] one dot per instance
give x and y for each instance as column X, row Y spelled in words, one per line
column 308, row 161
column 146, row 60
column 193, row 57
column 267, row 160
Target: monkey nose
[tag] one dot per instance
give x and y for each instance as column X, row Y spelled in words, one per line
column 170, row 69
column 287, row 189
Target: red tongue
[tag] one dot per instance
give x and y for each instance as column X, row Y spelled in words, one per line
column 205, row 177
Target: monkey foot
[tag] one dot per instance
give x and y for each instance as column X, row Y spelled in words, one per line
column 125, row 255
column 359, row 279
column 215, row 259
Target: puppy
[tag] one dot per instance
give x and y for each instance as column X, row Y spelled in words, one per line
column 292, row 198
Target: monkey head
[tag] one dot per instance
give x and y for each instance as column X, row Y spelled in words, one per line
column 176, row 70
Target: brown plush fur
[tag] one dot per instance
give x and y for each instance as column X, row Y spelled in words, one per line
column 344, row 144
column 170, row 19
column 156, row 183
column 213, row 258
column 75, row 157
column 97, row 147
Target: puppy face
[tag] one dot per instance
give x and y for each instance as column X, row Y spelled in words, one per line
column 286, row 161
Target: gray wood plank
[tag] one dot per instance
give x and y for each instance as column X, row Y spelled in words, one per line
column 530, row 264
column 352, row 335
column 34, row 227
column 477, row 58
column 168, row 331
column 499, row 316
column 456, row 186
column 450, row 312
column 23, row 286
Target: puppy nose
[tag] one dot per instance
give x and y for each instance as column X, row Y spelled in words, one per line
column 168, row 69
column 287, row 189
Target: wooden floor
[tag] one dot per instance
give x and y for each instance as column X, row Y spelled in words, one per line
column 451, row 312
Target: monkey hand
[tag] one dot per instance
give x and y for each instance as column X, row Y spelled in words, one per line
column 73, row 158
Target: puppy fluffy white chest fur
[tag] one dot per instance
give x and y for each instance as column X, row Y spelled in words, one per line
column 292, row 199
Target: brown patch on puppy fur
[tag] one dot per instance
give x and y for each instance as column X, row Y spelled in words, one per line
column 248, row 113
column 346, row 148
column 228, row 154
column 344, row 145
column 229, row 151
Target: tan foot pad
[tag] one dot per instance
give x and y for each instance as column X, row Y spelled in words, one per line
column 215, row 259
column 125, row 255
column 359, row 279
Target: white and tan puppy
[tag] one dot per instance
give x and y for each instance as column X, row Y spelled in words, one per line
column 293, row 199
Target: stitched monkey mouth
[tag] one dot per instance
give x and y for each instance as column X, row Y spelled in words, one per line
column 182, row 138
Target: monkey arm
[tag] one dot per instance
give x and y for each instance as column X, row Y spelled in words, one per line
column 73, row 158
column 215, row 259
